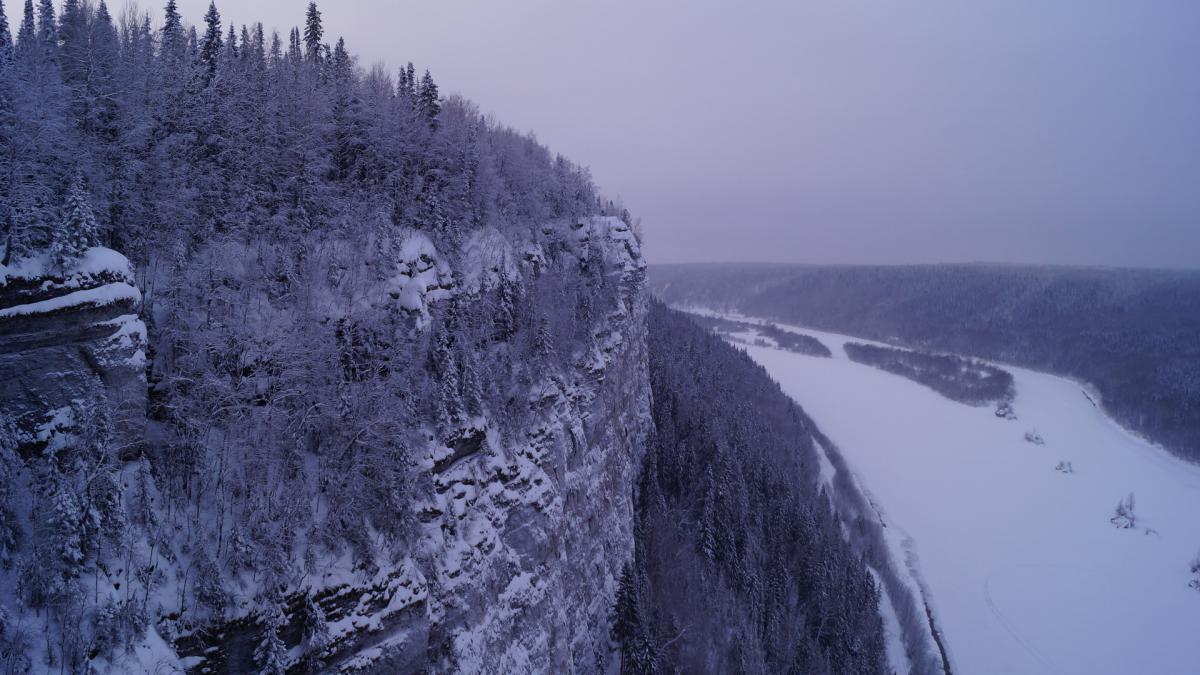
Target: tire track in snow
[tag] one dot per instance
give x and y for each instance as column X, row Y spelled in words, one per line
column 1011, row 628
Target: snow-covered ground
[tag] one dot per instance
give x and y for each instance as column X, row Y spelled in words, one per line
column 1025, row 573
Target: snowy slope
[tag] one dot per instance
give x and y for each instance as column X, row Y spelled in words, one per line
column 1024, row 570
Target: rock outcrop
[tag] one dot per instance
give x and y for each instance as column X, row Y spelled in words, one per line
column 519, row 545
column 71, row 346
column 520, row 528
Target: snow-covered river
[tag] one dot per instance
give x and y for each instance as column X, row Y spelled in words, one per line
column 1024, row 570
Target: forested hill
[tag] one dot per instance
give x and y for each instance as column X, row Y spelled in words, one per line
column 304, row 366
column 1133, row 334
column 741, row 563
column 185, row 136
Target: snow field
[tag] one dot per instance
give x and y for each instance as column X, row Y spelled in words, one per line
column 1024, row 570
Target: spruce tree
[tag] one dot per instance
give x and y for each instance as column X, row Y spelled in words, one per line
column 505, row 320
column 543, row 340
column 104, row 37
column 427, row 98
column 260, row 44
column 47, row 28
column 66, row 523
column 72, row 31
column 341, row 62
column 349, row 120
column 316, row 630
column 6, row 45
column 294, row 50
column 247, row 42
column 210, row 48
column 172, row 32
column 445, row 367
column 472, row 386
column 313, row 32
column 626, row 621
column 25, row 34
column 78, row 231
column 271, row 654
column 39, row 40
column 628, row 628
column 90, row 54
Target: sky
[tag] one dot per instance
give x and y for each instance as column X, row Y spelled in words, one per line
column 844, row 131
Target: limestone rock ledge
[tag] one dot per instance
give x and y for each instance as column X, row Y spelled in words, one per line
column 72, row 351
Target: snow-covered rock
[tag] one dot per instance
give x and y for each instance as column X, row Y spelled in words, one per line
column 70, row 338
column 488, row 259
column 514, row 564
column 422, row 276
column 527, row 533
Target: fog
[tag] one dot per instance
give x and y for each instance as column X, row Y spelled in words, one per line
column 1064, row 132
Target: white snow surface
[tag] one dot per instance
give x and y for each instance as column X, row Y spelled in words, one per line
column 1023, row 569
column 100, row 296
column 31, row 267
column 129, row 338
column 422, row 276
column 101, row 260
column 892, row 632
column 95, row 261
column 487, row 259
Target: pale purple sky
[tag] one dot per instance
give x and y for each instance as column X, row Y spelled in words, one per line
column 836, row 131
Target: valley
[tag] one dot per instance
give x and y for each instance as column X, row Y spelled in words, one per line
column 1021, row 565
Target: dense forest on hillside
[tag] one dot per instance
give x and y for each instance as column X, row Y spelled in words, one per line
column 182, row 136
column 740, row 563
column 338, row 268
column 1132, row 334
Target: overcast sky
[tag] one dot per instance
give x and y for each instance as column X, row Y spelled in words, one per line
column 838, row 131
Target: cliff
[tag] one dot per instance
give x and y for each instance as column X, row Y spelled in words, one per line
column 516, row 514
column 71, row 345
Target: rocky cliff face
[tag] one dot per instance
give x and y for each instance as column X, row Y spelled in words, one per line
column 525, row 534
column 71, row 346
column 520, row 528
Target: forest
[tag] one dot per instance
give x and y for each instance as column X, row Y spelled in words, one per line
column 279, row 205
column 740, row 563
column 1132, row 334
column 957, row 378
column 785, row 339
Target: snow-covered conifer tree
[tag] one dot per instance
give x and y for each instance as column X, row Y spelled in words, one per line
column 47, row 27
column 210, row 47
column 505, row 319
column 543, row 341
column 313, row 32
column 271, row 653
column 5, row 38
column 1124, row 516
column 472, row 387
column 78, row 230
column 428, row 99
column 316, row 629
